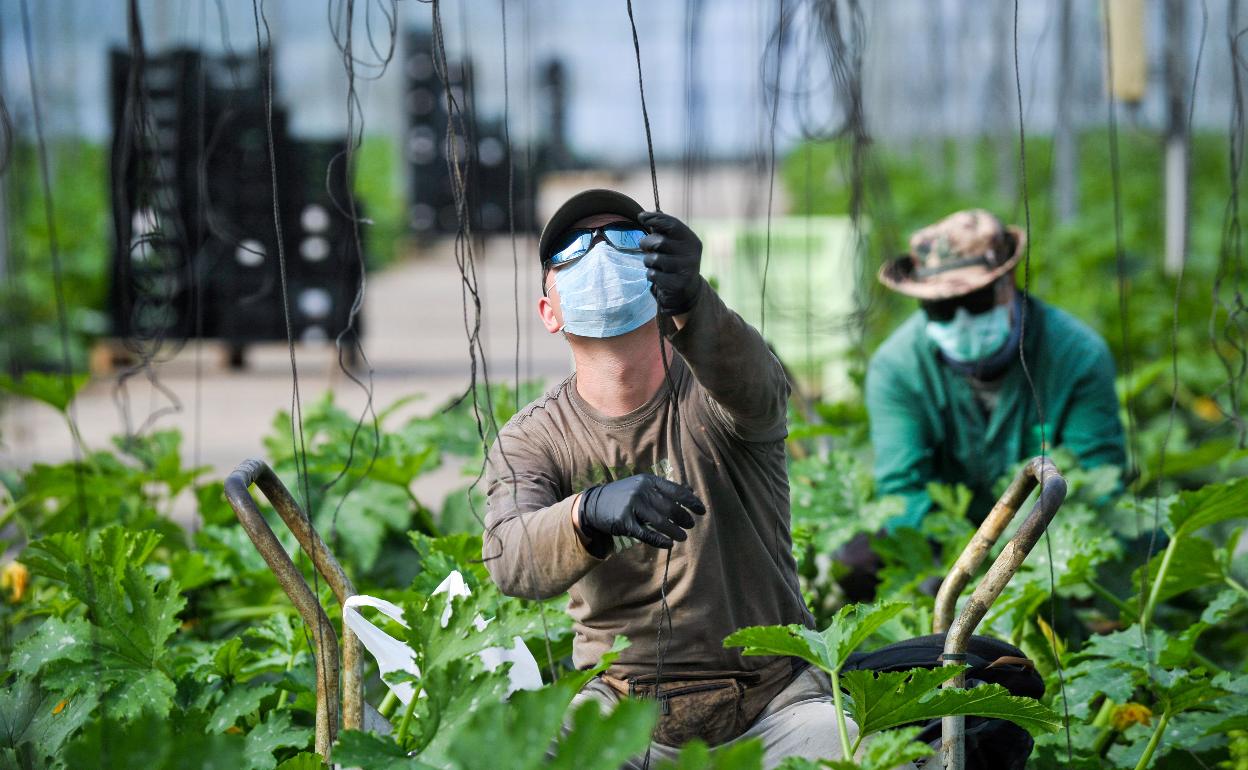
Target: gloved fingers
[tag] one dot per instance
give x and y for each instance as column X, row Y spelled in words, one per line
column 669, row 262
column 658, row 222
column 664, row 248
column 649, row 536
column 652, row 243
column 669, row 508
column 679, row 493
column 667, row 281
column 658, row 522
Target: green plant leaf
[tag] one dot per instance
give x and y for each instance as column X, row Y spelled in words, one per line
column 886, row 751
column 131, row 617
column 48, row 388
column 1179, row 690
column 828, row 649
column 883, row 701
column 30, row 715
column 137, row 693
column 740, row 755
column 238, row 702
column 157, row 743
column 375, row 752
column 54, row 640
column 276, row 732
column 1179, row 648
column 1196, row 509
column 597, row 739
column 1192, row 566
column 524, row 729
column 455, row 692
column 304, row 760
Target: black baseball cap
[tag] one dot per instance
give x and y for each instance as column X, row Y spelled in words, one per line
column 579, row 206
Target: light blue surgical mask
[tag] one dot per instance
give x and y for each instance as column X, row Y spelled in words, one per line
column 967, row 337
column 605, row 293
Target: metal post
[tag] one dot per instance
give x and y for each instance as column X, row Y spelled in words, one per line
column 1177, row 140
column 1039, row 470
column 292, row 582
column 1065, row 135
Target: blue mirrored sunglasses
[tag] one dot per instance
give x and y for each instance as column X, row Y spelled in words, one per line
column 577, row 243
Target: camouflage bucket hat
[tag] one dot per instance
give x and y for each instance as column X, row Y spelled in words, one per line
column 963, row 252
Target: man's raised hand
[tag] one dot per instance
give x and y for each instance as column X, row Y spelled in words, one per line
column 674, row 257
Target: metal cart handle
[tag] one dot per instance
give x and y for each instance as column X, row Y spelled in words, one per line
column 1042, row 471
column 305, row 601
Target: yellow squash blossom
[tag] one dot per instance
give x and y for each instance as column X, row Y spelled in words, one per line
column 15, row 577
column 1130, row 714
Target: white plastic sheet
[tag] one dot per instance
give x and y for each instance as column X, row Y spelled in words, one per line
column 393, row 655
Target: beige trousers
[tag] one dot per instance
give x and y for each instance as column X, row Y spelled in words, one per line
column 799, row 722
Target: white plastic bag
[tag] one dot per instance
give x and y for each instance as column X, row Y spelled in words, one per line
column 394, row 655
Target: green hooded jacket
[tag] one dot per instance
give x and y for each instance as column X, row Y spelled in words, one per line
column 927, row 425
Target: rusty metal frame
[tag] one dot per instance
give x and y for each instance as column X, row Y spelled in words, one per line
column 1039, row 471
column 328, row 692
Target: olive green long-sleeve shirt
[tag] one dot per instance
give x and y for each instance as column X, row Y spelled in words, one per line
column 735, row 570
column 926, row 424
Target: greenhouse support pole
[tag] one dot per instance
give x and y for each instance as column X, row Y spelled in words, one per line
column 1065, row 137
column 1177, row 139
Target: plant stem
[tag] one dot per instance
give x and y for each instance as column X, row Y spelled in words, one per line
column 7, row 514
column 1153, row 741
column 841, row 726
column 1147, row 616
column 1107, row 732
column 1103, row 592
column 401, row 737
column 247, row 613
column 1233, row 583
column 388, row 704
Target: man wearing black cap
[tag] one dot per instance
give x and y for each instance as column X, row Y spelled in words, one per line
column 587, row 493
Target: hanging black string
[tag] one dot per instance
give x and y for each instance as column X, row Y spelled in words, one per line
column 844, row 39
column 465, row 259
column 63, row 331
column 771, row 168
column 645, row 113
column 1035, row 395
column 1174, row 323
column 298, row 444
column 162, row 245
column 664, row 323
column 1124, row 313
column 6, row 135
column 342, row 29
column 511, row 199
column 515, row 273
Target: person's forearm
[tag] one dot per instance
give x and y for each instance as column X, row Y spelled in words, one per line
column 539, row 554
column 721, row 348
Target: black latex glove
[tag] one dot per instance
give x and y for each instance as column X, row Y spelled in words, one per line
column 644, row 507
column 674, row 256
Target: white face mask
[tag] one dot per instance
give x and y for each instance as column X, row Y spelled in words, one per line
column 968, row 338
column 605, row 293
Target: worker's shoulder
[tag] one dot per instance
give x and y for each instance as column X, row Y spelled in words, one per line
column 902, row 348
column 1069, row 340
column 539, row 411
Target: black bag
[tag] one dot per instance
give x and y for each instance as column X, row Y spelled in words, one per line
column 990, row 743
